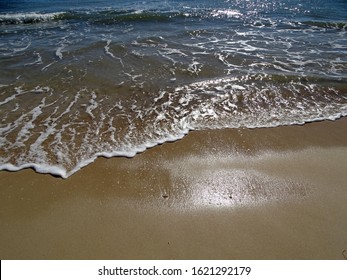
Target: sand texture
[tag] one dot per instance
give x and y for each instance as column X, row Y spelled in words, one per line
column 272, row 193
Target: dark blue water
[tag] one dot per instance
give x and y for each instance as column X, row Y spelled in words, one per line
column 314, row 9
column 82, row 79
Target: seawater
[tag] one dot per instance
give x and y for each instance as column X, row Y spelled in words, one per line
column 82, row 79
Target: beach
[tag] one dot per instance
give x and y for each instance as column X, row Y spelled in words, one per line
column 173, row 129
column 265, row 193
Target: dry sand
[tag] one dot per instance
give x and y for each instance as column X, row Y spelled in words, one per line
column 274, row 193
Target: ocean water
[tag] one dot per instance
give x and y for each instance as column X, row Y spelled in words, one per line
column 82, row 79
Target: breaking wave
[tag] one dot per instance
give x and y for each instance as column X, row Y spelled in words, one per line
column 28, row 18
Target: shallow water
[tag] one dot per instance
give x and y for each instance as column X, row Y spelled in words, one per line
column 81, row 79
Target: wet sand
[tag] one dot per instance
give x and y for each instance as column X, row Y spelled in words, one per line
column 272, row 193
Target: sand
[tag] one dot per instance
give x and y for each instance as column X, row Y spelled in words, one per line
column 272, row 193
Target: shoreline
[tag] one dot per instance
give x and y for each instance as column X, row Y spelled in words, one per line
column 59, row 172
column 263, row 193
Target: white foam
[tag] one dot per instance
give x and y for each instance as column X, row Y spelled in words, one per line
column 37, row 61
column 161, row 95
column 170, row 51
column 59, row 53
column 8, row 99
column 18, row 91
column 228, row 13
column 47, row 66
column 23, row 17
column 93, row 104
column 238, row 87
column 127, row 127
column 108, row 52
column 24, row 133
column 40, row 168
column 195, row 67
column 126, row 152
column 22, row 49
column 58, row 170
column 107, row 49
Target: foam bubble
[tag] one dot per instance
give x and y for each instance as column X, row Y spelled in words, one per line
column 228, row 13
column 40, row 168
column 59, row 53
column 17, row 18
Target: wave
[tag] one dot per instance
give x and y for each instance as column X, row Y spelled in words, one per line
column 28, row 18
column 101, row 17
column 327, row 25
column 134, row 16
column 116, row 16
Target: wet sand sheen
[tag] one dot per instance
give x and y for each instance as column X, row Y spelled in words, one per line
column 272, row 193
